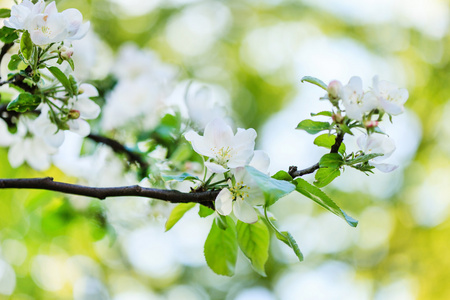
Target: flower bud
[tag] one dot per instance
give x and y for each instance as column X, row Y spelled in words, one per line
column 65, row 52
column 73, row 114
column 371, row 124
column 334, row 88
column 337, row 117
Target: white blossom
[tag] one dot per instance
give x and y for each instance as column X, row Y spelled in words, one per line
column 355, row 100
column 391, row 98
column 85, row 107
column 22, row 14
column 224, row 148
column 244, row 194
column 378, row 143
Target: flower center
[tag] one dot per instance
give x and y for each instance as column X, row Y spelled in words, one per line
column 239, row 191
column 222, row 155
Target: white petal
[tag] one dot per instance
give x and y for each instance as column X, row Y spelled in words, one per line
column 385, row 168
column 79, row 126
column 6, row 138
column 243, row 145
column 199, row 143
column 244, row 211
column 88, row 108
column 16, row 154
column 224, row 202
column 215, row 168
column 88, row 90
column 218, row 134
column 260, row 161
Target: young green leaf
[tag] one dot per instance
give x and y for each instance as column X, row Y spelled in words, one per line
column 325, row 175
column 221, row 248
column 8, row 35
column 284, row 236
column 26, row 45
column 177, row 213
column 315, row 81
column 14, row 62
column 61, row 77
column 345, row 129
column 180, row 177
column 5, row 13
column 323, row 200
column 24, row 102
column 253, row 239
column 282, row 175
column 331, row 160
column 204, row 211
column 313, row 127
column 362, row 158
column 322, row 113
column 327, row 141
column 272, row 189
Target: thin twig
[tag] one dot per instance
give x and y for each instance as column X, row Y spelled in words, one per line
column 294, row 172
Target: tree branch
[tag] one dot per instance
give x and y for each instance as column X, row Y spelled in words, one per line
column 294, row 172
column 117, row 147
column 47, row 183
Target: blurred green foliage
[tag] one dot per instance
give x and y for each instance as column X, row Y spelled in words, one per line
column 49, row 224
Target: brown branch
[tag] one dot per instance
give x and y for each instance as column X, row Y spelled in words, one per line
column 294, row 172
column 117, row 147
column 47, row 183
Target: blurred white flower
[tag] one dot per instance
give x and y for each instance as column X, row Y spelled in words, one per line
column 22, row 14
column 83, row 108
column 378, row 143
column 355, row 101
column 390, row 97
column 224, row 149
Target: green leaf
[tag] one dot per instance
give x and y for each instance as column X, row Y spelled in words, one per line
column 272, row 189
column 322, row 113
column 331, row 160
column 325, row 175
column 221, row 248
column 177, row 213
column 26, row 45
column 284, row 236
column 71, row 64
column 253, row 239
column 204, row 211
column 180, row 177
column 327, row 141
column 315, row 81
column 5, row 13
column 14, row 62
column 362, row 158
column 63, row 79
column 282, row 175
column 323, row 200
column 313, row 127
column 345, row 129
column 24, row 102
column 8, row 35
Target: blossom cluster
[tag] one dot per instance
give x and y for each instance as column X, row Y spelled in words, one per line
column 45, row 24
column 383, row 97
column 228, row 154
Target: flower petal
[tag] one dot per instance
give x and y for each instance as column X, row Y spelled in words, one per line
column 215, row 168
column 224, row 202
column 260, row 161
column 244, row 211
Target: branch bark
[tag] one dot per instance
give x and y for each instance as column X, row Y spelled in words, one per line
column 294, row 172
column 47, row 183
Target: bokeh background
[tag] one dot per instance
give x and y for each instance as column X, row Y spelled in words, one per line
column 253, row 54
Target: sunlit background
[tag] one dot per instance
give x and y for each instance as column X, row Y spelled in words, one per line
column 253, row 53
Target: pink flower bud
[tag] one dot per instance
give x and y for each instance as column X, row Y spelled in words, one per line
column 334, row 88
column 65, row 52
column 370, row 124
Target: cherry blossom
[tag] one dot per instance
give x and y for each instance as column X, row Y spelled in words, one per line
column 378, row 143
column 390, row 97
column 244, row 194
column 355, row 100
column 225, row 149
